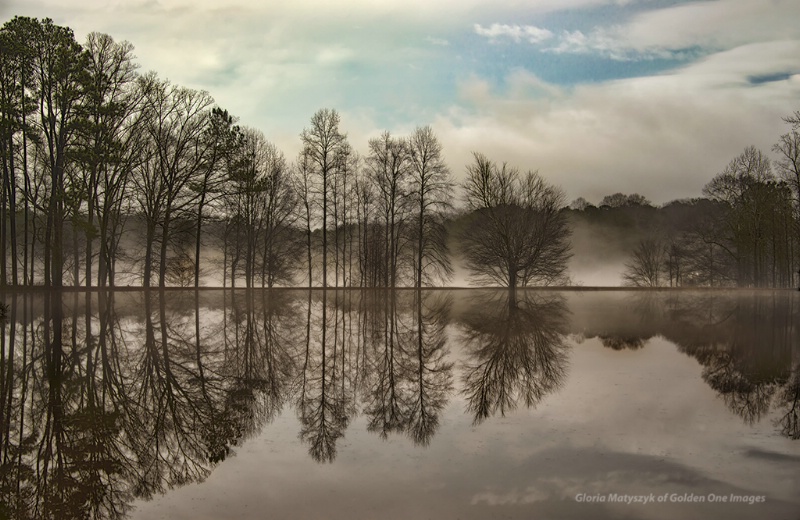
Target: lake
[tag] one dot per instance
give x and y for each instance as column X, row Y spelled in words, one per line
column 342, row 404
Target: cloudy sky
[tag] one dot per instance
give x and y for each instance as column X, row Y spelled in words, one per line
column 648, row 96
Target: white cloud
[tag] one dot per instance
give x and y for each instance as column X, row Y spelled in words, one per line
column 518, row 33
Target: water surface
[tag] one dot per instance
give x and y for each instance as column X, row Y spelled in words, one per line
column 433, row 404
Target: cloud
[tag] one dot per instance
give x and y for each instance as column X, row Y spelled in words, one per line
column 609, row 44
column 686, row 30
column 395, row 65
column 518, row 33
column 663, row 136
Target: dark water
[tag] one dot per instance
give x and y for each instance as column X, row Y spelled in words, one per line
column 440, row 404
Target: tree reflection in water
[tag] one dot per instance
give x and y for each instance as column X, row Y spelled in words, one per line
column 116, row 406
column 381, row 351
column 516, row 349
column 745, row 342
column 107, row 397
column 410, row 379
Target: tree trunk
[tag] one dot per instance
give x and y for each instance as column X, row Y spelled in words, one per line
column 162, row 268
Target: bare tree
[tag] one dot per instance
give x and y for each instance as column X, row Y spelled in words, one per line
column 647, row 264
column 106, row 142
column 322, row 142
column 176, row 122
column 788, row 166
column 518, row 234
column 389, row 166
column 303, row 187
column 755, row 225
column 431, row 196
column 221, row 137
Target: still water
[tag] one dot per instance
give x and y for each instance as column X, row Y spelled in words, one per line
column 404, row 404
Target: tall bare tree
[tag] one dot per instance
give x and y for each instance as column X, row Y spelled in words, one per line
column 788, row 166
column 322, row 141
column 263, row 202
column 431, row 195
column 106, row 145
column 389, row 164
column 221, row 137
column 754, row 230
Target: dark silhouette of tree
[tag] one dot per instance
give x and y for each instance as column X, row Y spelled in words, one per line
column 756, row 228
column 518, row 235
column 262, row 202
column 59, row 65
column 788, row 166
column 223, row 138
column 16, row 78
column 105, row 147
column 175, row 123
column 618, row 200
column 372, row 266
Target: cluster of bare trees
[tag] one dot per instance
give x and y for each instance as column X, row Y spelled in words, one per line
column 89, row 148
column 106, row 171
column 746, row 233
column 381, row 217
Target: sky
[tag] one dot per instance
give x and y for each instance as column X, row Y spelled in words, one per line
column 600, row 96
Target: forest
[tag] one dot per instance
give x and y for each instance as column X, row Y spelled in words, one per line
column 114, row 177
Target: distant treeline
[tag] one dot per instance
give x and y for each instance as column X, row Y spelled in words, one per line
column 110, row 174
column 743, row 233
